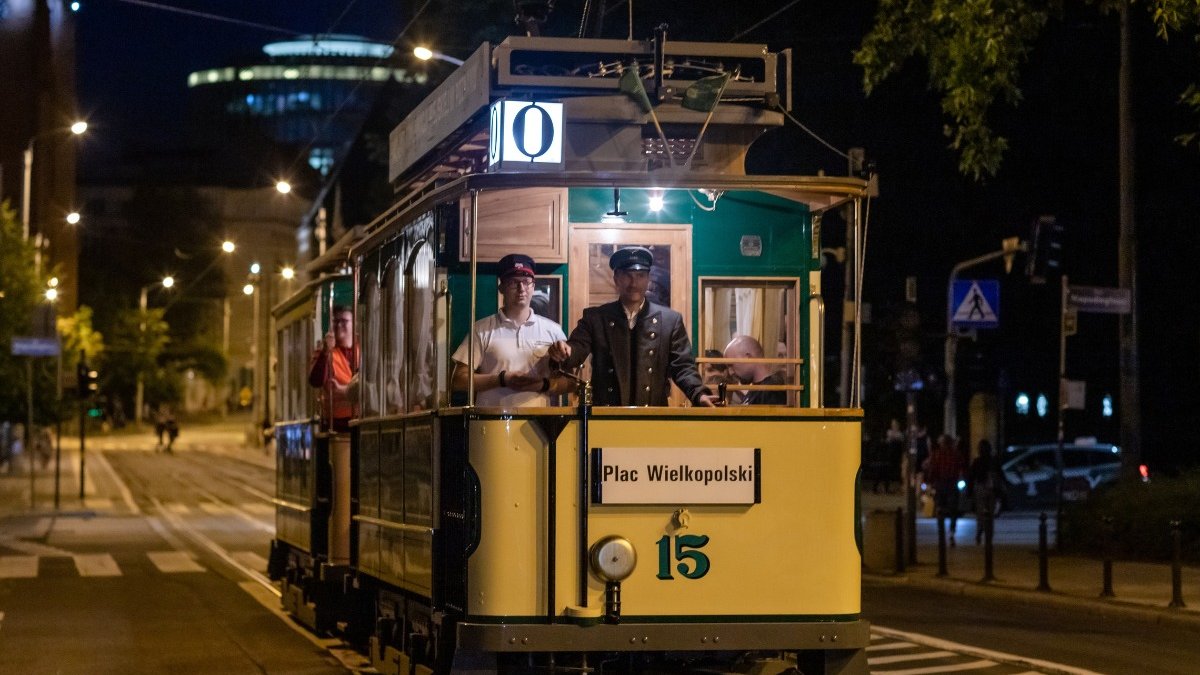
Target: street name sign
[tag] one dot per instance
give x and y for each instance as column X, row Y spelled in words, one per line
column 35, row 346
column 975, row 303
column 1100, row 300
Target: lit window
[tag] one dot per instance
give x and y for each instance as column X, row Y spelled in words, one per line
column 1043, row 405
column 1022, row 403
column 246, row 74
column 1107, row 406
column 291, row 74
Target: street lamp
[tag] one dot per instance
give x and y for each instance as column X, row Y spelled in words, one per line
column 425, row 54
column 139, row 395
column 73, row 218
column 27, row 186
column 283, row 187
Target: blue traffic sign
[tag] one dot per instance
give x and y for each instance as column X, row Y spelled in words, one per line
column 35, row 346
column 975, row 303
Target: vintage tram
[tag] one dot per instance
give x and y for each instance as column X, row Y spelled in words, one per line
column 454, row 537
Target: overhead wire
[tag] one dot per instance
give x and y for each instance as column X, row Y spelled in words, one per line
column 770, row 16
column 211, row 17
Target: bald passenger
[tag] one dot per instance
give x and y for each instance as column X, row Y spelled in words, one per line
column 746, row 347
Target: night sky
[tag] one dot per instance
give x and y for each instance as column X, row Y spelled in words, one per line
column 133, row 62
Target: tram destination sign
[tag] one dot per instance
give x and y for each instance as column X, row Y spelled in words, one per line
column 676, row 476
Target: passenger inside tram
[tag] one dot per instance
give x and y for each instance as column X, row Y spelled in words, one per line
column 333, row 366
column 511, row 346
column 746, row 347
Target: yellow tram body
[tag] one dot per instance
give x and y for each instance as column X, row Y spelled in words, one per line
column 791, row 550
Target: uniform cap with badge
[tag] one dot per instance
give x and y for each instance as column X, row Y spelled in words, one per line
column 634, row 258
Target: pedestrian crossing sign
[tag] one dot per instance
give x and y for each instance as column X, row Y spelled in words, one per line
column 975, row 303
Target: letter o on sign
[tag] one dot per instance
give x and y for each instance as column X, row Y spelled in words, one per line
column 521, row 138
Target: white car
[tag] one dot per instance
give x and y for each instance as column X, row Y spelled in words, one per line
column 1030, row 471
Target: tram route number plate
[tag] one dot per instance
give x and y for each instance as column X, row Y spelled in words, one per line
column 676, row 476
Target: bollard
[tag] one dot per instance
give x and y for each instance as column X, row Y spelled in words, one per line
column 899, row 540
column 941, row 524
column 989, row 530
column 1107, row 591
column 1043, row 555
column 1176, row 566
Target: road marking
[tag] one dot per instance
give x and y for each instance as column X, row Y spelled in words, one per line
column 976, row 652
column 219, row 506
column 33, row 548
column 251, row 559
column 170, row 562
column 195, row 535
column 18, row 566
column 952, row 668
column 214, row 509
column 126, row 495
column 890, row 645
column 176, row 507
column 900, row 658
column 259, row 508
column 351, row 659
column 96, row 565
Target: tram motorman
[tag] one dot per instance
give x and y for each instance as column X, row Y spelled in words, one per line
column 511, row 368
column 637, row 347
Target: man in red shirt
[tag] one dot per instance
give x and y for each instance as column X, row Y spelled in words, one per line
column 943, row 470
column 333, row 365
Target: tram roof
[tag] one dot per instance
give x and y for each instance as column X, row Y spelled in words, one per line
column 818, row 193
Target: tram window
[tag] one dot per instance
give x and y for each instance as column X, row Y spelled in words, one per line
column 393, row 326
column 765, row 309
column 371, row 345
column 422, row 273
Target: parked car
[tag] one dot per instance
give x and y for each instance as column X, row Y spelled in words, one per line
column 1031, row 471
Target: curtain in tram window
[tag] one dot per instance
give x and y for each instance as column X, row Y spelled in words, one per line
column 421, row 340
column 372, row 347
column 770, row 321
column 393, row 328
column 749, row 312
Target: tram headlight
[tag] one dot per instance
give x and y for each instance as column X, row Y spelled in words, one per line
column 613, row 558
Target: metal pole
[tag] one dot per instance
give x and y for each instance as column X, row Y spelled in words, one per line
column 1176, row 567
column 140, row 391
column 989, row 531
column 82, row 429
column 26, row 190
column 848, row 307
column 910, row 472
column 58, row 432
column 1043, row 555
column 1062, row 409
column 1107, row 591
column 941, row 534
column 256, row 413
column 29, row 427
column 1131, row 407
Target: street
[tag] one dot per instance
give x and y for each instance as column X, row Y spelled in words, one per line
column 167, row 574
column 176, row 583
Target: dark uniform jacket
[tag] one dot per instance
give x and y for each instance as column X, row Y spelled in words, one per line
column 632, row 367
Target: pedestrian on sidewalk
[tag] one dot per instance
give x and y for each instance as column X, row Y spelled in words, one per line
column 160, row 425
column 172, row 428
column 986, row 485
column 943, row 470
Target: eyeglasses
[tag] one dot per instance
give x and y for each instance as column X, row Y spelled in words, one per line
column 520, row 281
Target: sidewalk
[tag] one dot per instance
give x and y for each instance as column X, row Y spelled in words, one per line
column 102, row 493
column 1141, row 590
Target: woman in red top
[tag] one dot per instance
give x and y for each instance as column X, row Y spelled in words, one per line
column 333, row 365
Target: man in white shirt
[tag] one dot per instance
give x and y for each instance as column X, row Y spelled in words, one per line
column 511, row 368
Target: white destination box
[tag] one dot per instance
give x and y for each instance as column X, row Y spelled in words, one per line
column 675, row 476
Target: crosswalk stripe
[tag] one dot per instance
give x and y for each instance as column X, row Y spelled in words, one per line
column 884, row 660
column 953, row 668
column 213, row 508
column 18, row 566
column 170, row 562
column 176, row 507
column 96, row 565
column 250, row 559
column 258, row 508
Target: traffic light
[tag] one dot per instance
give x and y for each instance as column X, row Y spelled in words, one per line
column 87, row 380
column 1045, row 253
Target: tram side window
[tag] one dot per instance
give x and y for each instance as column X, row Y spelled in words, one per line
column 420, row 303
column 757, row 321
column 393, row 329
column 372, row 343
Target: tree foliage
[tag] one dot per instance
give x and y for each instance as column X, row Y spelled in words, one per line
column 78, row 335
column 18, row 296
column 974, row 50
